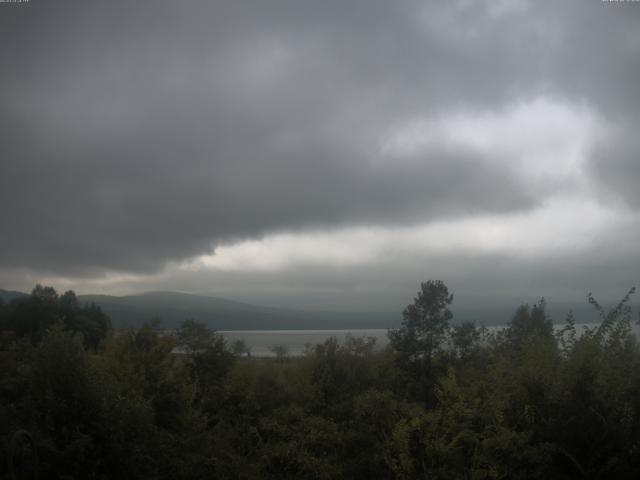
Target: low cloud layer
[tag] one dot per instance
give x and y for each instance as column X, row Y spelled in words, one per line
column 139, row 138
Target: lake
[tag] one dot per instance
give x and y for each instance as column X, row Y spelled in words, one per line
column 295, row 341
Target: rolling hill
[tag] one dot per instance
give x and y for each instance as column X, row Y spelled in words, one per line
column 171, row 308
column 8, row 295
column 221, row 314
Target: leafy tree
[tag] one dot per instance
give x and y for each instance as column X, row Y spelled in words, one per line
column 300, row 446
column 280, row 351
column 209, row 360
column 567, row 335
column 336, row 373
column 615, row 327
column 369, row 434
column 530, row 322
column 89, row 320
column 194, row 337
column 425, row 322
column 33, row 316
column 240, row 348
column 423, row 332
column 464, row 339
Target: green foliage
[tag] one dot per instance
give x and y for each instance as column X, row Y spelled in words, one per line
column 425, row 323
column 300, row 446
column 141, row 403
column 240, row 348
column 421, row 337
column 465, row 339
column 32, row 316
column 529, row 323
column 194, row 337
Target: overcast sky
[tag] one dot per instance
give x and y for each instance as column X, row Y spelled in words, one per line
column 321, row 154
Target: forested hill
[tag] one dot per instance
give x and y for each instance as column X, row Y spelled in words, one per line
column 171, row 308
column 221, row 314
column 8, row 295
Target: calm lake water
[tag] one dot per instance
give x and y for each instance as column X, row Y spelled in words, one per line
column 295, row 341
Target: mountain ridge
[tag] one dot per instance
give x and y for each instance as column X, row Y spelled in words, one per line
column 171, row 308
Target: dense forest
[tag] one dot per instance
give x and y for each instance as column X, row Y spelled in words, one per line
column 443, row 401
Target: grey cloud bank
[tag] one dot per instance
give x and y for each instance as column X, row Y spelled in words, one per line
column 140, row 133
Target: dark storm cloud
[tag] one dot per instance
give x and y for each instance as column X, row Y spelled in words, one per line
column 615, row 163
column 134, row 133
